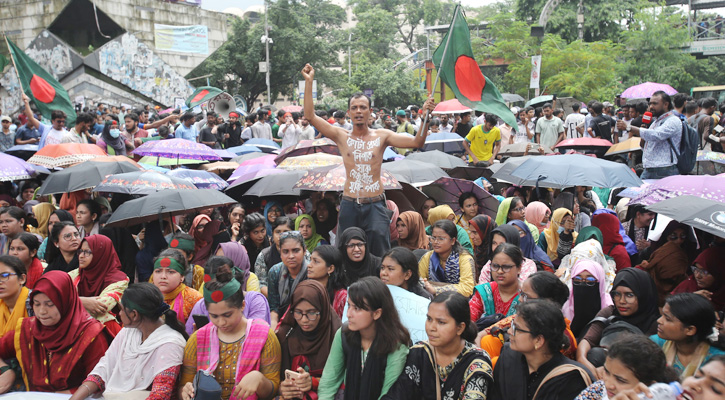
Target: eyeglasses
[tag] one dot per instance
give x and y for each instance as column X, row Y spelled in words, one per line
column 523, row 297
column 699, row 271
column 359, row 245
column 311, row 315
column 514, row 329
column 200, row 227
column 71, row 235
column 675, row 237
column 85, row 253
column 499, row 267
column 5, row 276
column 519, row 209
column 274, row 210
column 588, row 281
column 60, row 121
column 438, row 239
column 629, row 297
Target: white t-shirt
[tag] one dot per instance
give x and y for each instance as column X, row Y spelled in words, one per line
column 571, row 123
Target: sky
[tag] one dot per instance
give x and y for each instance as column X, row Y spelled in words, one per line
column 220, row 5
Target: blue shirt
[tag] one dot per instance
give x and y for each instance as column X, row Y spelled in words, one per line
column 657, row 151
column 190, row 133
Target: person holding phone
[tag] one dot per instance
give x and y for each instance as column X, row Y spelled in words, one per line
column 289, row 131
column 558, row 239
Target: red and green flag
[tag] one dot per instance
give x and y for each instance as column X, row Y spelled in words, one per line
column 460, row 71
column 202, row 95
column 38, row 84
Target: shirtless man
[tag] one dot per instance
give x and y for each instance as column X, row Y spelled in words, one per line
column 363, row 200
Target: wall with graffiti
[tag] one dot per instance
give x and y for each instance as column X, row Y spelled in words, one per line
column 53, row 55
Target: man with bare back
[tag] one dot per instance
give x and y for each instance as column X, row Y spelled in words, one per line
column 363, row 200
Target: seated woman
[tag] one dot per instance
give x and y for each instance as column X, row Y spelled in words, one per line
column 14, row 220
column 506, row 234
column 272, row 210
column 87, row 214
column 147, row 353
column 184, row 243
column 481, row 233
column 325, row 266
column 368, row 352
column 235, row 217
column 635, row 302
column 255, row 236
column 357, row 262
column 306, row 226
column 682, row 331
column 588, row 246
column 238, row 254
column 325, row 215
column 61, row 344
column 559, row 237
column 630, row 361
column 242, row 354
column 285, row 276
column 42, row 212
column 170, row 267
column 707, row 277
column 707, row 383
column 538, row 215
column 63, row 244
column 55, row 217
column 587, row 295
column 400, row 268
column 305, row 335
column 613, row 243
column 448, row 362
column 501, row 295
column 14, row 294
column 424, row 211
column 411, row 231
column 468, row 203
column 270, row 255
column 207, row 236
column 537, row 334
column 448, row 267
column 513, row 209
column 25, row 247
column 530, row 249
column 255, row 303
column 446, row 212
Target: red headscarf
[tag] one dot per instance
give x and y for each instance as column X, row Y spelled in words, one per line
column 103, row 270
column 393, row 220
column 199, row 243
column 711, row 261
column 417, row 238
column 205, row 240
column 613, row 243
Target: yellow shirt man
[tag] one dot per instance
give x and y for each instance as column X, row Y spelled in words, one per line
column 483, row 142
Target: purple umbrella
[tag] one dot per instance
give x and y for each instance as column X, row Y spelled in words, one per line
column 647, row 89
column 200, row 179
column 248, row 169
column 705, row 186
column 448, row 190
column 247, row 179
column 177, row 148
column 14, row 169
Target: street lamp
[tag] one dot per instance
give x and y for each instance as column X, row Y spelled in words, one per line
column 267, row 40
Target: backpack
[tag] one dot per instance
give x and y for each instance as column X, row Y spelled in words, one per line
column 687, row 153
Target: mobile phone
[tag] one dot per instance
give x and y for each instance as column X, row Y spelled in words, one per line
column 719, row 129
column 620, row 115
column 289, row 374
column 200, row 320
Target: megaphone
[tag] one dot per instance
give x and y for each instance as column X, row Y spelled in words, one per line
column 222, row 104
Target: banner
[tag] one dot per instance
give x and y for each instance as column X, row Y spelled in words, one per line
column 535, row 72
column 183, row 39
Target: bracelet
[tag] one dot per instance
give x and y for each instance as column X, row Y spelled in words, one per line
column 4, row 369
column 90, row 392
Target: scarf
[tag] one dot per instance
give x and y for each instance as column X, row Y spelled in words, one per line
column 701, row 353
column 484, row 227
column 206, row 240
column 589, row 232
column 626, row 240
column 286, row 288
column 362, row 383
column 9, row 320
column 314, row 240
column 668, row 268
column 126, row 248
column 238, row 254
column 450, row 273
column 644, row 288
column 502, row 215
column 528, row 247
column 608, row 224
column 175, row 299
column 552, row 232
column 393, row 219
column 416, row 239
column 315, row 345
column 368, row 266
column 438, row 213
column 585, row 301
column 324, row 227
column 194, row 232
column 154, row 243
column 117, row 144
column 710, row 260
column 535, row 213
column 269, row 205
column 103, row 270
column 42, row 213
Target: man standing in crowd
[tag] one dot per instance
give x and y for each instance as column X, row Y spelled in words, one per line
column 7, row 137
column 79, row 133
column 231, row 132
column 133, row 132
column 602, row 124
column 403, row 125
column 483, row 141
column 550, row 129
column 574, row 124
column 445, row 126
column 52, row 134
column 208, row 134
column 463, row 125
column 261, row 128
column 340, row 121
column 705, row 124
column 307, row 131
column 289, row 131
column 665, row 132
column 186, row 129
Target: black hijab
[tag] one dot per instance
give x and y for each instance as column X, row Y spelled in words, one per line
column 644, row 288
column 509, row 232
column 484, row 226
column 324, row 228
column 126, row 248
column 370, row 264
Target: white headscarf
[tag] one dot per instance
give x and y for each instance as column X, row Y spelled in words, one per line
column 590, row 250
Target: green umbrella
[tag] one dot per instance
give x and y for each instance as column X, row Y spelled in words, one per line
column 539, row 100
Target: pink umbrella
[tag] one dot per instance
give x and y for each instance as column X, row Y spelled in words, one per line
column 292, row 109
column 584, row 142
column 452, row 106
column 647, row 89
column 253, row 165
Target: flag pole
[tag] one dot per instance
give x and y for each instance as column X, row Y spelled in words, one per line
column 15, row 67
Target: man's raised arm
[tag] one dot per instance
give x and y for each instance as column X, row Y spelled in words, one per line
column 320, row 124
column 417, row 141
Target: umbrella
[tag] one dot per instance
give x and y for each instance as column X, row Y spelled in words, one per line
column 471, row 173
column 538, row 100
column 200, row 179
column 631, row 144
column 389, row 154
column 646, row 90
column 323, row 145
column 266, row 145
column 633, row 192
column 255, row 164
column 511, row 97
column 83, row 176
column 14, row 169
column 219, row 166
column 418, row 173
column 276, row 185
column 583, row 142
column 333, row 179
column 452, row 106
column 705, row 186
column 141, row 183
column 448, row 190
column 704, row 214
column 502, row 171
column 714, row 156
column 114, row 159
column 23, row 151
column 180, row 149
column 310, row 161
column 225, row 154
column 438, row 158
column 166, row 203
column 710, row 163
column 518, row 149
column 573, row 170
column 291, row 109
column 447, row 142
column 409, row 198
column 165, row 161
column 244, row 149
column 248, row 156
column 65, row 154
column 244, row 181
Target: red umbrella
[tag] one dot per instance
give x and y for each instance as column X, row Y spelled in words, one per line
column 452, row 106
column 66, row 154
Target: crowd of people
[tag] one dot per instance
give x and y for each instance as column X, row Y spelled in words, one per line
column 562, row 294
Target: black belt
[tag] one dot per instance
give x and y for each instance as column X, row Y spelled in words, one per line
column 365, row 200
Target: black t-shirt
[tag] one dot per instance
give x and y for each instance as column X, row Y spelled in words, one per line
column 602, row 126
column 206, row 136
column 637, row 122
column 463, row 129
column 235, row 134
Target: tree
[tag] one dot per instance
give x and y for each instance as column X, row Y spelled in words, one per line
column 392, row 87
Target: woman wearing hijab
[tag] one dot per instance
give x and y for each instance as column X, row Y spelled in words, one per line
column 305, row 336
column 42, row 212
column 154, row 243
column 529, row 247
column 613, row 245
column 55, row 216
column 635, row 302
column 707, row 277
column 559, row 238
column 411, row 231
column 356, row 258
column 587, row 294
column 481, row 232
column 393, row 219
column 588, row 246
column 538, row 214
column 111, row 140
column 512, row 209
column 506, row 234
column 238, row 254
column 207, row 235
column 61, row 344
column 325, row 216
column 62, row 253
column 445, row 211
column 306, row 226
column 272, row 210
column 99, row 280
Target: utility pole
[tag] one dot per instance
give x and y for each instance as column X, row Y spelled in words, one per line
column 266, row 45
column 349, row 57
column 580, row 19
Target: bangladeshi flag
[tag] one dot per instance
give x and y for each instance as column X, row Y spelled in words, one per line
column 202, row 95
column 460, row 71
column 45, row 91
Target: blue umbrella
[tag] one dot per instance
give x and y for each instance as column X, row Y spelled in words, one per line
column 389, row 154
column 266, row 145
column 569, row 170
column 226, row 154
column 24, row 151
column 244, row 149
column 13, row 168
column 200, row 179
column 447, row 142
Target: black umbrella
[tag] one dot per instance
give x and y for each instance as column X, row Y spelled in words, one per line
column 84, row 175
column 699, row 213
column 448, row 190
column 438, row 158
column 167, row 203
column 276, row 185
column 471, row 173
column 502, row 171
column 142, row 183
column 412, row 171
column 408, row 198
column 24, row 151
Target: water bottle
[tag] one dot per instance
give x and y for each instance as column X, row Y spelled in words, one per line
column 663, row 391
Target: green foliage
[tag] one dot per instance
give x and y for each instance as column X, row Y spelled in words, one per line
column 392, row 87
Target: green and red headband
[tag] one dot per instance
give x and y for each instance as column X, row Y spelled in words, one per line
column 182, row 244
column 168, row 262
column 223, row 293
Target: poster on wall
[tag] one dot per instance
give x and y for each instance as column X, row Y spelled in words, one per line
column 182, row 39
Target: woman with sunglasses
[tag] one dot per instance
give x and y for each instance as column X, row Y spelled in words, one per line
column 501, row 295
column 707, row 277
column 587, row 294
column 63, row 244
column 448, row 267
